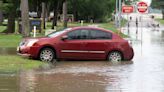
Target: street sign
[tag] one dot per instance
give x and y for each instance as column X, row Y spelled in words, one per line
column 142, row 7
column 127, row 9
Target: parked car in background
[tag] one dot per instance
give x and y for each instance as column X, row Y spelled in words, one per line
column 78, row 43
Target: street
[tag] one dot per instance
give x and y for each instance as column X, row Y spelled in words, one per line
column 143, row 74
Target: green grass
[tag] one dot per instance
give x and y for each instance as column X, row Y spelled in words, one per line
column 15, row 63
column 2, row 28
column 9, row 40
column 123, row 22
column 161, row 21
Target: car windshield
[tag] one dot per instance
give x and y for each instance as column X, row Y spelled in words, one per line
column 56, row 33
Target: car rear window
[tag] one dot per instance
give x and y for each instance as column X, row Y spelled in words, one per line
column 97, row 34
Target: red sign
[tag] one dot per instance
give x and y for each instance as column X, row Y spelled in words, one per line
column 142, row 7
column 127, row 9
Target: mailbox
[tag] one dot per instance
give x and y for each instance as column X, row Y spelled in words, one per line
column 37, row 23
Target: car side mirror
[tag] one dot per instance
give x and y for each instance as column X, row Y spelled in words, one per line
column 65, row 37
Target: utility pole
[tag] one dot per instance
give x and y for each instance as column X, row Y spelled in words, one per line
column 118, row 13
column 65, row 13
column 25, row 18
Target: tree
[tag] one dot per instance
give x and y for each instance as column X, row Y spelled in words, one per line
column 65, row 13
column 25, row 18
column 1, row 14
column 91, row 9
column 158, row 4
column 1, row 17
column 56, row 6
column 44, row 14
column 10, row 8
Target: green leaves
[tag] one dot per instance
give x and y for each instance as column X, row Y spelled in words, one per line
column 157, row 3
column 92, row 9
column 6, row 7
column 9, row 5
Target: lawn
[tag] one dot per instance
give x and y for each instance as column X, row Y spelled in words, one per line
column 2, row 28
column 15, row 63
column 161, row 21
column 9, row 40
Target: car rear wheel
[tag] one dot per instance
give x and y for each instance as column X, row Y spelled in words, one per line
column 47, row 55
column 115, row 56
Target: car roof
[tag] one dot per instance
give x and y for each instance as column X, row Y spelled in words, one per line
column 90, row 27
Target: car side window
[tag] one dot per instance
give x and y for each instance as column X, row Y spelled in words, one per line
column 98, row 34
column 78, row 34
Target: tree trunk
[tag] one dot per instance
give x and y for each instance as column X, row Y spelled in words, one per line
column 25, row 18
column 1, row 17
column 44, row 14
column 56, row 8
column 39, row 10
column 76, row 17
column 163, row 13
column 74, row 7
column 1, row 14
column 11, row 23
column 65, row 13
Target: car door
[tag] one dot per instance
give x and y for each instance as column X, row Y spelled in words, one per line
column 98, row 44
column 74, row 46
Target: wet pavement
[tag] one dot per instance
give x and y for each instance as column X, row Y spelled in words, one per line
column 143, row 74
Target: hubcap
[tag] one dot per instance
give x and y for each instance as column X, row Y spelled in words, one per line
column 46, row 55
column 115, row 57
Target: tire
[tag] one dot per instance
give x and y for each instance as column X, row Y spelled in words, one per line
column 47, row 55
column 115, row 56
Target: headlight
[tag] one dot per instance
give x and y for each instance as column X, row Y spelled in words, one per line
column 130, row 42
column 22, row 43
column 31, row 42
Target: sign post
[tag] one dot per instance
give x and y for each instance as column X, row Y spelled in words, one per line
column 142, row 8
column 127, row 9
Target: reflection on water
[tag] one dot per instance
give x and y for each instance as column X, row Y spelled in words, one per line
column 9, row 83
column 69, row 76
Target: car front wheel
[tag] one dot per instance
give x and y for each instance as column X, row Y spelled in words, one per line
column 115, row 56
column 47, row 55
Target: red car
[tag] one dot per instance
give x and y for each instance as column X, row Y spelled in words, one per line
column 78, row 43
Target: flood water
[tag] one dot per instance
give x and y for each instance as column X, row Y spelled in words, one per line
column 143, row 74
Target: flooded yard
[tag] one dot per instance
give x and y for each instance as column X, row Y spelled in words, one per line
column 143, row 74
